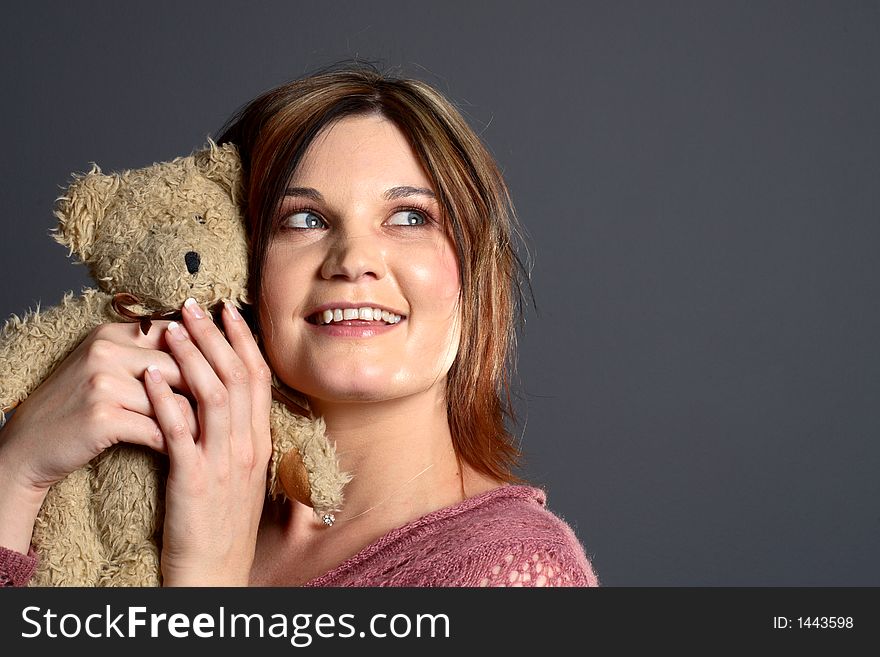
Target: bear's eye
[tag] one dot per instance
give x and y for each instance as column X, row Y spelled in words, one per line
column 199, row 217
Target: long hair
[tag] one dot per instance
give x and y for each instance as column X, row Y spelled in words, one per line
column 274, row 131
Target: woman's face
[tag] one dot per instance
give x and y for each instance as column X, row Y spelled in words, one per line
column 360, row 230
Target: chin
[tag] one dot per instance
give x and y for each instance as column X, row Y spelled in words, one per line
column 349, row 390
column 352, row 396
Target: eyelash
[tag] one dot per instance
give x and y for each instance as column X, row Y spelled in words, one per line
column 415, row 207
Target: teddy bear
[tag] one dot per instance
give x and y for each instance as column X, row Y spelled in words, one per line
column 151, row 238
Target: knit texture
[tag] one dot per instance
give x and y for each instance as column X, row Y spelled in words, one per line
column 504, row 537
column 16, row 568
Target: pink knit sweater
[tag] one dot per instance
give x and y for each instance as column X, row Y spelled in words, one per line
column 504, row 537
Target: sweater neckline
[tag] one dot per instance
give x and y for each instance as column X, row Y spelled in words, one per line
column 520, row 491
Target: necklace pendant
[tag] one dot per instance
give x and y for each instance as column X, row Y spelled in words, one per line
column 328, row 519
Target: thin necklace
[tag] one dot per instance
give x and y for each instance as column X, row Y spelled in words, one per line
column 329, row 519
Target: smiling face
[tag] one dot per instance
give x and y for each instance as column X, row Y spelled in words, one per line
column 360, row 229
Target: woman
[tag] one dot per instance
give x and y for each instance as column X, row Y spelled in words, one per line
column 384, row 279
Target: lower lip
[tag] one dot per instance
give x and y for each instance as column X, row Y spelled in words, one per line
column 365, row 330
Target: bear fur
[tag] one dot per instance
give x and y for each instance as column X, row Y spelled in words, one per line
column 162, row 233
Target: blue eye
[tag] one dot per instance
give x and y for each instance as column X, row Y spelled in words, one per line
column 303, row 220
column 408, row 218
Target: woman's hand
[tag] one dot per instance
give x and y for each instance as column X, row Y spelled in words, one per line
column 217, row 479
column 95, row 398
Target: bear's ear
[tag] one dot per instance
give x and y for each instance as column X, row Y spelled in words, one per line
column 222, row 165
column 82, row 208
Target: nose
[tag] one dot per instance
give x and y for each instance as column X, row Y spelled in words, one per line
column 354, row 256
column 193, row 261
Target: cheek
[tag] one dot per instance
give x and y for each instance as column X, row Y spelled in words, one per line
column 279, row 296
column 436, row 286
column 437, row 278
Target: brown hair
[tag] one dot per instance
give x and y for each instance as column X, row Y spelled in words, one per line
column 273, row 133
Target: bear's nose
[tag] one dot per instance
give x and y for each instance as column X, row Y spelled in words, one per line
column 193, row 261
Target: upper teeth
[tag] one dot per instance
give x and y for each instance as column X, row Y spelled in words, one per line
column 369, row 314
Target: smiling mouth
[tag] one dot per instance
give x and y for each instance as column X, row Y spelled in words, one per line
column 354, row 317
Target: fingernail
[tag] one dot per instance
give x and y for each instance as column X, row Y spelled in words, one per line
column 154, row 373
column 176, row 330
column 233, row 311
column 194, row 308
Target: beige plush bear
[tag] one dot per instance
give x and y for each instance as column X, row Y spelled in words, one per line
column 151, row 238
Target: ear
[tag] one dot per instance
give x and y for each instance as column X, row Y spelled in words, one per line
column 222, row 165
column 82, row 208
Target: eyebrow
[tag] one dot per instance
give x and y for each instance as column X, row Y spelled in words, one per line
column 389, row 195
column 403, row 192
column 306, row 192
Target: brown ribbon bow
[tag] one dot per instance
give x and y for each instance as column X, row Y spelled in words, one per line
column 121, row 302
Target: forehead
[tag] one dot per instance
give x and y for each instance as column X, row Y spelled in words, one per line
column 361, row 151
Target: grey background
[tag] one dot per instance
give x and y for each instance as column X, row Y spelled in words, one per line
column 700, row 186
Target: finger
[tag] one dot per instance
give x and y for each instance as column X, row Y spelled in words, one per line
column 136, row 429
column 137, row 361
column 227, row 365
column 131, row 395
column 244, row 344
column 210, row 394
column 179, row 442
column 119, row 346
column 130, row 333
column 189, row 414
column 242, row 340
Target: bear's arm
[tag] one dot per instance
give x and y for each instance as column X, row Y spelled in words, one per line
column 31, row 347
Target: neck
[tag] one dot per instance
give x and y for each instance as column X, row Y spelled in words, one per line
column 401, row 455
